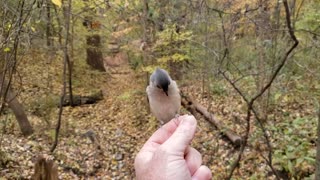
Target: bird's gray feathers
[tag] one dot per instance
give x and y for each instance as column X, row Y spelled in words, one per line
column 163, row 106
column 160, row 78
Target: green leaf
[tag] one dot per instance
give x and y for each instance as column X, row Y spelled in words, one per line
column 51, row 134
column 299, row 161
column 277, row 96
column 149, row 69
column 57, row 2
column 310, row 159
column 290, row 167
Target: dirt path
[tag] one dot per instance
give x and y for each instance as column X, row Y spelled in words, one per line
column 119, row 124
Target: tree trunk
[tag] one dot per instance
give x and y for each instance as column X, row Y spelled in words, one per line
column 17, row 108
column 94, row 54
column 263, row 61
column 19, row 113
column 67, row 9
column 49, row 24
column 317, row 175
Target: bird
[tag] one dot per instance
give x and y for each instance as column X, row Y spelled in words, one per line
column 163, row 96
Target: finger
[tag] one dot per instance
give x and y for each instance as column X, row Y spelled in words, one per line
column 193, row 159
column 203, row 173
column 162, row 134
column 182, row 136
column 141, row 159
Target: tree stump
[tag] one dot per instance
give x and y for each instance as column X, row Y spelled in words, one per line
column 94, row 53
column 45, row 169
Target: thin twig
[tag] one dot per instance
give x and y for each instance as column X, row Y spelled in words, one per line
column 285, row 58
column 66, row 59
column 259, row 94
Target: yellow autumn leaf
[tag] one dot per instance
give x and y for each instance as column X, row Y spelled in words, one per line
column 57, row 2
column 6, row 49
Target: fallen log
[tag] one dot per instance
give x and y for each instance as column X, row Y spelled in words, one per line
column 193, row 107
column 79, row 100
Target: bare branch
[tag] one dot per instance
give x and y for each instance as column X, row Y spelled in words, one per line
column 259, row 94
column 285, row 58
column 63, row 94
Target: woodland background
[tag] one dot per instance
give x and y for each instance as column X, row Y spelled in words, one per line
column 74, row 72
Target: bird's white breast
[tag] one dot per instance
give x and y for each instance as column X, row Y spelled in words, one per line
column 162, row 106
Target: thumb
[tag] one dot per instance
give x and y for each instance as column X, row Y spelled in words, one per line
column 183, row 135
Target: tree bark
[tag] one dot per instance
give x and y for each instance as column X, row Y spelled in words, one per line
column 94, row 54
column 19, row 113
column 49, row 24
column 45, row 169
column 67, row 9
column 317, row 175
column 17, row 108
column 79, row 100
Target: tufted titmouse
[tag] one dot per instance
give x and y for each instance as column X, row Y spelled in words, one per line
column 164, row 96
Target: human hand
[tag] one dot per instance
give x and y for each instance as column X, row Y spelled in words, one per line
column 168, row 155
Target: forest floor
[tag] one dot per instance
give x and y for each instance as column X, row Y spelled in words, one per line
column 100, row 141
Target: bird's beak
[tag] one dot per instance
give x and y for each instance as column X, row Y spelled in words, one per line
column 166, row 92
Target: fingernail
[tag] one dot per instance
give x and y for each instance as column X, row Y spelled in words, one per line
column 189, row 121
